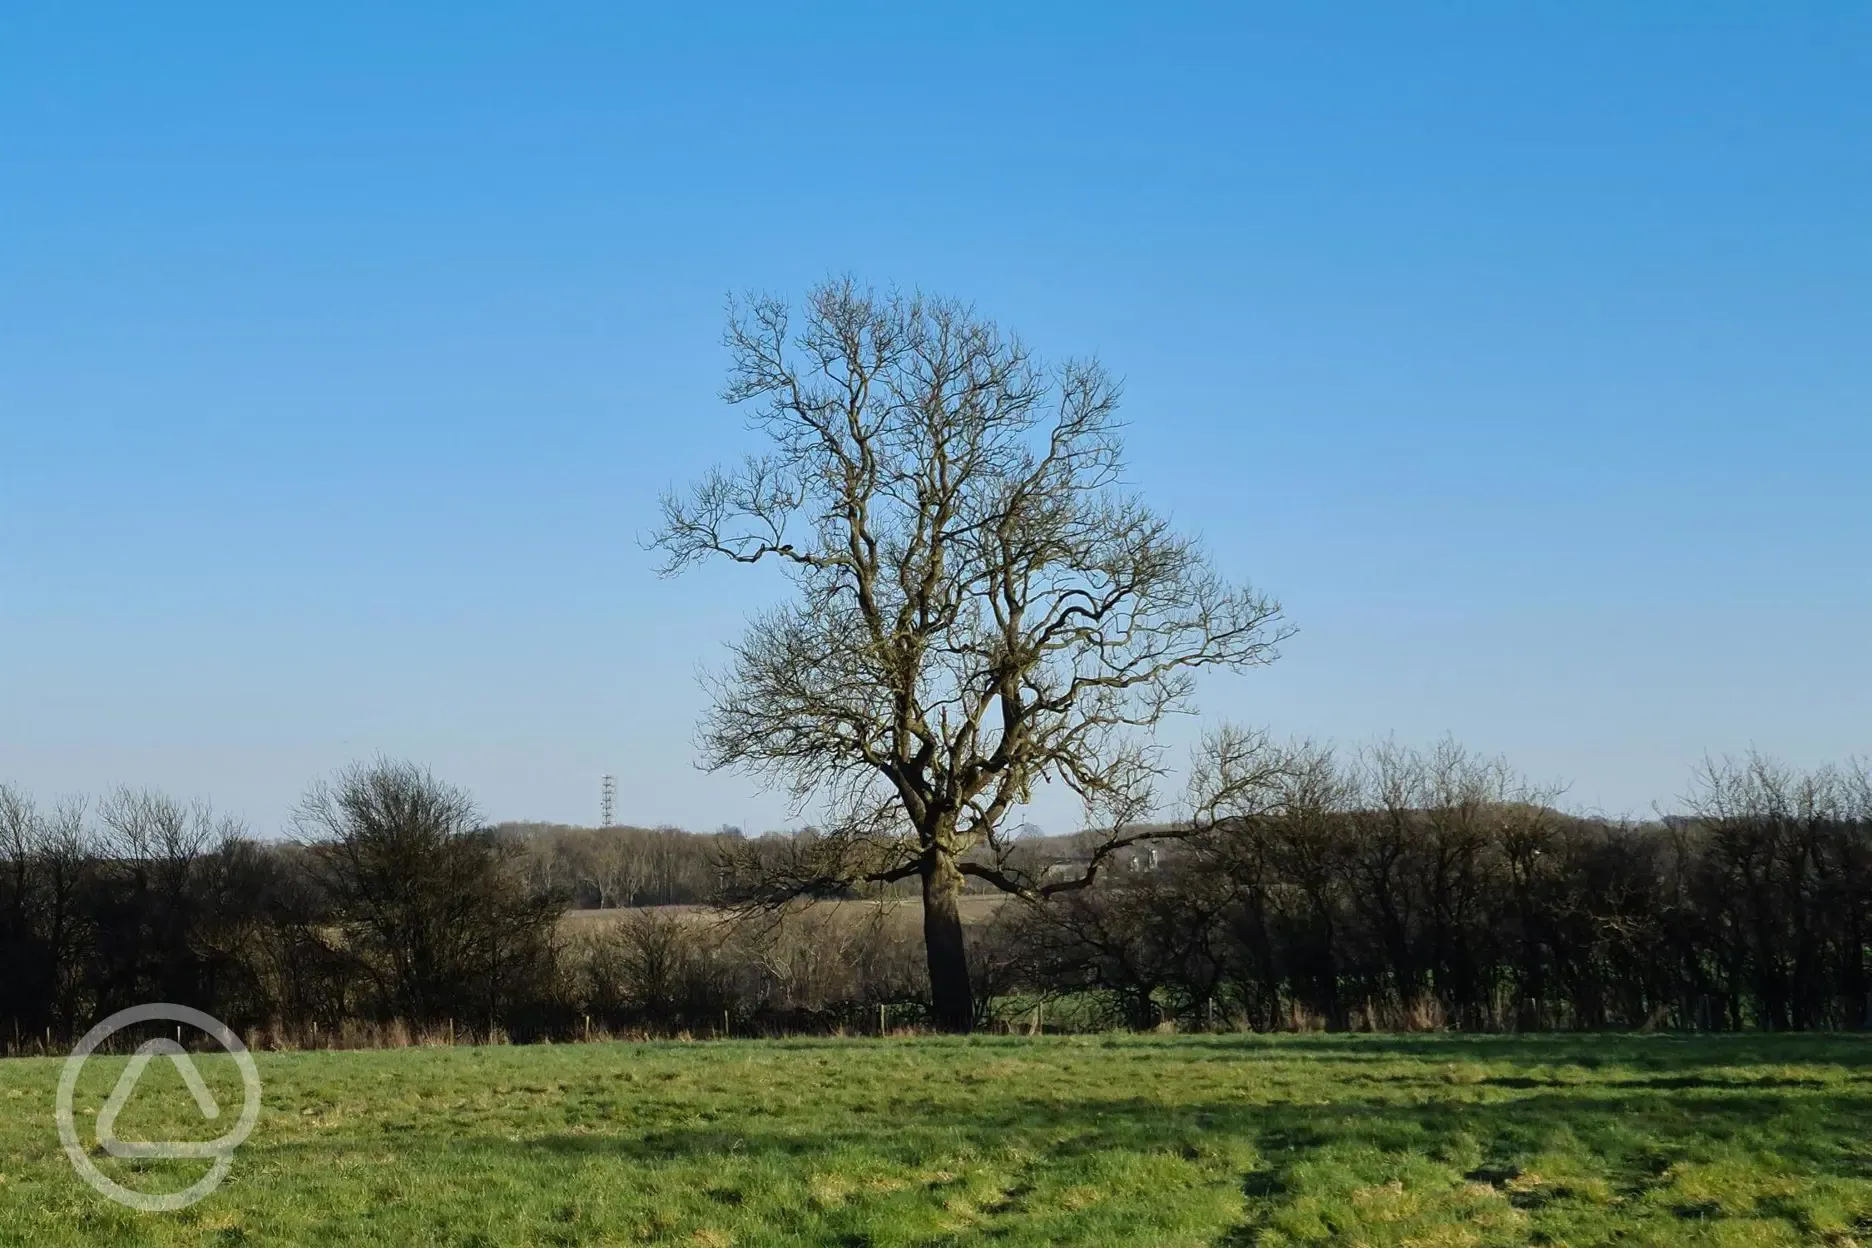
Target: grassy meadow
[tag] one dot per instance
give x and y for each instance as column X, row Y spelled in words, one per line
column 1107, row 1140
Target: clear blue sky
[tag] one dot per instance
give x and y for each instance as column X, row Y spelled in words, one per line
column 1524, row 351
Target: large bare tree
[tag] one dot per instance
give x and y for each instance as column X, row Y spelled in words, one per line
column 980, row 605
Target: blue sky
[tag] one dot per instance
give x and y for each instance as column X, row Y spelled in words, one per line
column 1525, row 352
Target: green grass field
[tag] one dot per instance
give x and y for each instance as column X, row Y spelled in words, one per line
column 1145, row 1141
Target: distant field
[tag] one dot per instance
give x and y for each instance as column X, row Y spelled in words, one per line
column 1144, row 1141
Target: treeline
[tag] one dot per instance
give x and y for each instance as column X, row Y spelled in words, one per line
column 1388, row 889
column 620, row 867
column 1404, row 889
column 393, row 906
column 626, row 867
column 394, row 914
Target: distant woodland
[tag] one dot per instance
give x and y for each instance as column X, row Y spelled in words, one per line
column 1387, row 889
column 624, row 866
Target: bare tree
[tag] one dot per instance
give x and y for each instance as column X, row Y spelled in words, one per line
column 155, row 846
column 432, row 907
column 979, row 608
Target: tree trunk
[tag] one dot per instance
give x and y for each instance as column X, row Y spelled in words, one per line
column 952, row 1000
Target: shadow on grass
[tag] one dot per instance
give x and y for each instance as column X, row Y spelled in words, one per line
column 1633, row 1130
column 1659, row 1051
column 1677, row 1083
column 1147, row 1125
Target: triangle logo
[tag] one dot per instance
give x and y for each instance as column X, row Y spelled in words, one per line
column 126, row 1084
